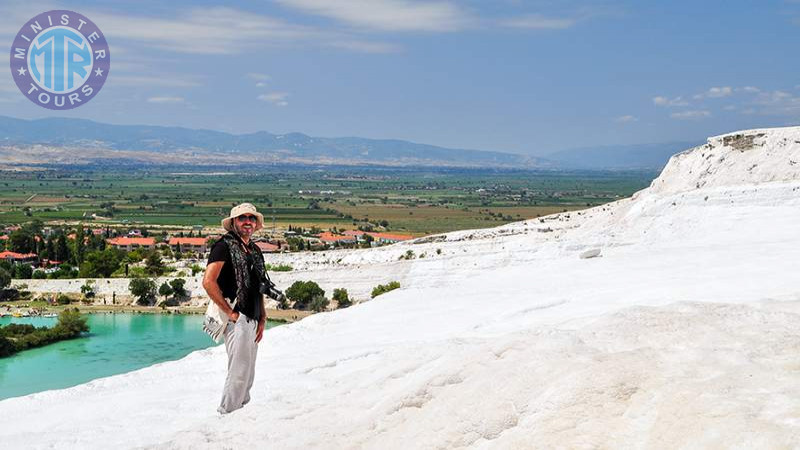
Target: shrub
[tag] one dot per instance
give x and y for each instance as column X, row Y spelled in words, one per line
column 409, row 254
column 279, row 268
column 319, row 303
column 5, row 278
column 71, row 323
column 63, row 299
column 384, row 288
column 342, row 298
column 88, row 289
column 6, row 347
column 23, row 271
column 303, row 292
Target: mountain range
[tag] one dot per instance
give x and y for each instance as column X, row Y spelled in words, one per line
column 79, row 141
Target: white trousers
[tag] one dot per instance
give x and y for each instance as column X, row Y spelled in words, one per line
column 240, row 343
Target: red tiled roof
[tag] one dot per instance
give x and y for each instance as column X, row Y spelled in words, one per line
column 354, row 233
column 330, row 237
column 15, row 255
column 267, row 247
column 131, row 240
column 187, row 241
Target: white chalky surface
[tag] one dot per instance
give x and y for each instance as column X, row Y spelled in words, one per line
column 683, row 333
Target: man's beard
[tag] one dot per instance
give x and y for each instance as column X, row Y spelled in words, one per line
column 238, row 229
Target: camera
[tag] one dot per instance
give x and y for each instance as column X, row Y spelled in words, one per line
column 268, row 288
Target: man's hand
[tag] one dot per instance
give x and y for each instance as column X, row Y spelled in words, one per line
column 234, row 316
column 259, row 331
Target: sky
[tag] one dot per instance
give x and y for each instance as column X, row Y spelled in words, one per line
column 528, row 77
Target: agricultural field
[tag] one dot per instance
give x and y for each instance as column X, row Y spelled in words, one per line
column 410, row 201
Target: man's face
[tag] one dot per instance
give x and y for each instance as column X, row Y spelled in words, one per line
column 246, row 225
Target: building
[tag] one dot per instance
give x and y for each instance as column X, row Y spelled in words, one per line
column 15, row 257
column 330, row 238
column 132, row 243
column 189, row 244
column 267, row 247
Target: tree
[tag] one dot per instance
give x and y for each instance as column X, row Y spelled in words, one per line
column 23, row 271
column 303, row 292
column 319, row 303
column 49, row 249
column 62, row 249
column 154, row 265
column 22, row 241
column 165, row 290
column 144, row 289
column 101, row 264
column 178, row 288
column 342, row 298
column 80, row 246
column 5, row 278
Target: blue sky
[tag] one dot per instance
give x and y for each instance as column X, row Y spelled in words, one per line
column 520, row 76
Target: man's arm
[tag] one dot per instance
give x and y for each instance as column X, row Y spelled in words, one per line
column 212, row 288
column 260, row 330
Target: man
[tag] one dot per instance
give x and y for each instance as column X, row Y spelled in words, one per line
column 234, row 272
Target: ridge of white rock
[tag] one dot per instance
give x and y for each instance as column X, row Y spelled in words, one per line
column 682, row 333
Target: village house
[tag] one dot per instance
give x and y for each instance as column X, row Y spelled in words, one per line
column 267, row 247
column 189, row 244
column 15, row 257
column 331, row 239
column 132, row 243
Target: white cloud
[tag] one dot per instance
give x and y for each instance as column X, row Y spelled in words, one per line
column 749, row 89
column 166, row 100
column 691, row 115
column 664, row 101
column 715, row 92
column 217, row 30
column 388, row 15
column 539, row 22
column 626, row 119
column 276, row 98
column 776, row 103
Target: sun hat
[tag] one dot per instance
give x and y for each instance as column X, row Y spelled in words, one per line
column 238, row 210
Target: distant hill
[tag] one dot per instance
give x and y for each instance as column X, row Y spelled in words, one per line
column 639, row 156
column 85, row 141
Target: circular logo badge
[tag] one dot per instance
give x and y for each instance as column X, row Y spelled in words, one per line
column 60, row 59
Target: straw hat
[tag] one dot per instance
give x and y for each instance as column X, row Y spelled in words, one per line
column 238, row 210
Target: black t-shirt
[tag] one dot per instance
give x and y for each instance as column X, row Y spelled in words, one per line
column 254, row 304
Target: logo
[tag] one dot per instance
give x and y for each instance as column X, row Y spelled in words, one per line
column 60, row 59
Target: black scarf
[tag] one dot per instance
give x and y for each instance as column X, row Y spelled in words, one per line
column 240, row 268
